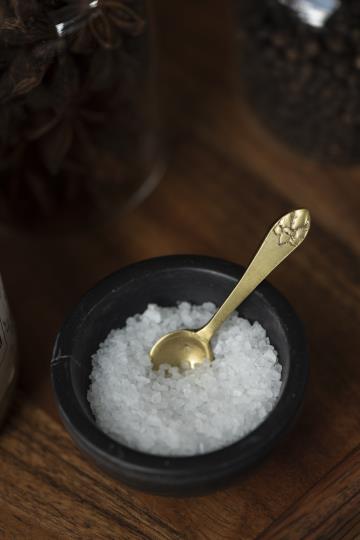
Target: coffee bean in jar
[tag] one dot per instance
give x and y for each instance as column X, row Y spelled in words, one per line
column 300, row 71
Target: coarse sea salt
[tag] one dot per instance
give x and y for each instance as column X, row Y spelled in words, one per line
column 188, row 413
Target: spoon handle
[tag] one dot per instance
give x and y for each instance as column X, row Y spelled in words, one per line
column 282, row 239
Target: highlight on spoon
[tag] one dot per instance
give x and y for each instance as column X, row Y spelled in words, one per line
column 182, row 349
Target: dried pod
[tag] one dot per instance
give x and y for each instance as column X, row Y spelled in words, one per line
column 16, row 32
column 55, row 146
column 27, row 71
column 25, row 11
column 65, row 82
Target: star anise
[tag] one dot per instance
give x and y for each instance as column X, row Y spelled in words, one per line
column 25, row 22
column 57, row 133
column 106, row 23
column 26, row 70
column 27, row 47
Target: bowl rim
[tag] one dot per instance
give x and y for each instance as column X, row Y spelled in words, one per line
column 206, row 467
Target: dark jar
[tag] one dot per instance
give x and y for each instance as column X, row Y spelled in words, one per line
column 300, row 71
column 8, row 355
column 78, row 132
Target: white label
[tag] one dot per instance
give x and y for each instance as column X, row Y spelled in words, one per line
column 313, row 12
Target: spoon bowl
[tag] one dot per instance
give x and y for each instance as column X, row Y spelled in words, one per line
column 183, row 349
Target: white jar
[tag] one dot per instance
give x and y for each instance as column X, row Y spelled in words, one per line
column 8, row 354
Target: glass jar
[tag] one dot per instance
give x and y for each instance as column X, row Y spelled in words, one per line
column 300, row 71
column 78, row 129
column 8, row 355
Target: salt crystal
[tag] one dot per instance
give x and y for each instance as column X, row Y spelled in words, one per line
column 187, row 413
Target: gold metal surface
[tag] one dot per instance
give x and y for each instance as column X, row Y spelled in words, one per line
column 187, row 348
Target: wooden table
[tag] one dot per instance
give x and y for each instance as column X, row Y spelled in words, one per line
column 226, row 181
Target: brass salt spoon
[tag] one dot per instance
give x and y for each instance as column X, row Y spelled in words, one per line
column 188, row 348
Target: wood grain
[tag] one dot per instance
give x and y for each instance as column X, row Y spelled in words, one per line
column 227, row 180
column 336, row 499
column 68, row 497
